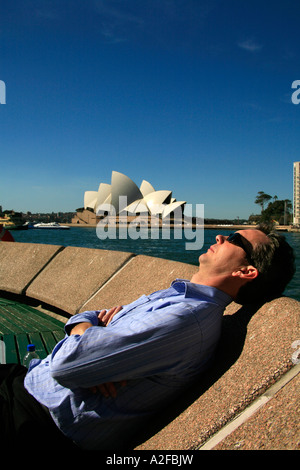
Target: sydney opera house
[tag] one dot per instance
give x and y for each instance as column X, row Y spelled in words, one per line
column 123, row 199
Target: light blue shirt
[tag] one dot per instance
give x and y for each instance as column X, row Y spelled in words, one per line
column 158, row 344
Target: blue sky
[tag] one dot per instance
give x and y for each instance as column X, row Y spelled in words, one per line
column 192, row 95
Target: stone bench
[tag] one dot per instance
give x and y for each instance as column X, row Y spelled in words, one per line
column 253, row 354
column 253, row 357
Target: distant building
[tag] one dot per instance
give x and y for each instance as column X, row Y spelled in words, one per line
column 123, row 198
column 296, row 193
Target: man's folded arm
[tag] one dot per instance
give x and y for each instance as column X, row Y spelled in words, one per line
column 84, row 317
column 132, row 349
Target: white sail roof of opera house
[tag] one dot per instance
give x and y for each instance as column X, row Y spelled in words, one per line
column 123, row 196
column 90, row 199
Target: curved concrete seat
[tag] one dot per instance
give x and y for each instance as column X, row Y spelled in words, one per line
column 22, row 262
column 254, row 353
column 141, row 275
column 74, row 275
column 75, row 279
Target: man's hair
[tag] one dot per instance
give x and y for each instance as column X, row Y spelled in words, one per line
column 275, row 262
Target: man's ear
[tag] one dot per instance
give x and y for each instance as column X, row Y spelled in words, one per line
column 246, row 272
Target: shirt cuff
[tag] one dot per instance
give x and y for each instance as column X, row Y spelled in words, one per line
column 88, row 316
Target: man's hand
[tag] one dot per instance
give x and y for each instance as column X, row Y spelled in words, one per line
column 108, row 389
column 106, row 316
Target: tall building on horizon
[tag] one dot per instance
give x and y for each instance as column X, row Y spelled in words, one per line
column 296, row 206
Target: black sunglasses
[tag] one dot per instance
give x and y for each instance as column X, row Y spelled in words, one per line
column 238, row 240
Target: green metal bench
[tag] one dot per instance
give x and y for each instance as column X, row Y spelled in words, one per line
column 21, row 325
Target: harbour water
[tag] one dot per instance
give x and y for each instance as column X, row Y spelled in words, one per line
column 168, row 247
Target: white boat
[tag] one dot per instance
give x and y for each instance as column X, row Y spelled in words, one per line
column 50, row 225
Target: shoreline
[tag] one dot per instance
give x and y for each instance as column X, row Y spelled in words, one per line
column 283, row 228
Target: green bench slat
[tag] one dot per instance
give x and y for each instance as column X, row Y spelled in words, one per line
column 37, row 340
column 9, row 324
column 21, row 325
column 22, row 340
column 59, row 335
column 49, row 340
column 26, row 319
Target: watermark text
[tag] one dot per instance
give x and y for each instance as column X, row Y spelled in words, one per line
column 145, row 225
column 2, row 352
column 296, row 94
column 2, row 92
column 296, row 354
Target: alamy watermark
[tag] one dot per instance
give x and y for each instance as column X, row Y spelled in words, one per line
column 296, row 354
column 143, row 225
column 2, row 352
column 296, row 94
column 2, row 92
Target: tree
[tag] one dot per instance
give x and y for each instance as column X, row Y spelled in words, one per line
column 262, row 198
column 279, row 211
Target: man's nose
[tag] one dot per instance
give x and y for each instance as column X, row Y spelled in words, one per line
column 220, row 239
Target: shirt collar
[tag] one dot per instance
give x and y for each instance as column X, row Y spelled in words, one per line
column 191, row 289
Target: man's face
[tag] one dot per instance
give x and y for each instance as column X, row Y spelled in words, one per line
column 225, row 257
